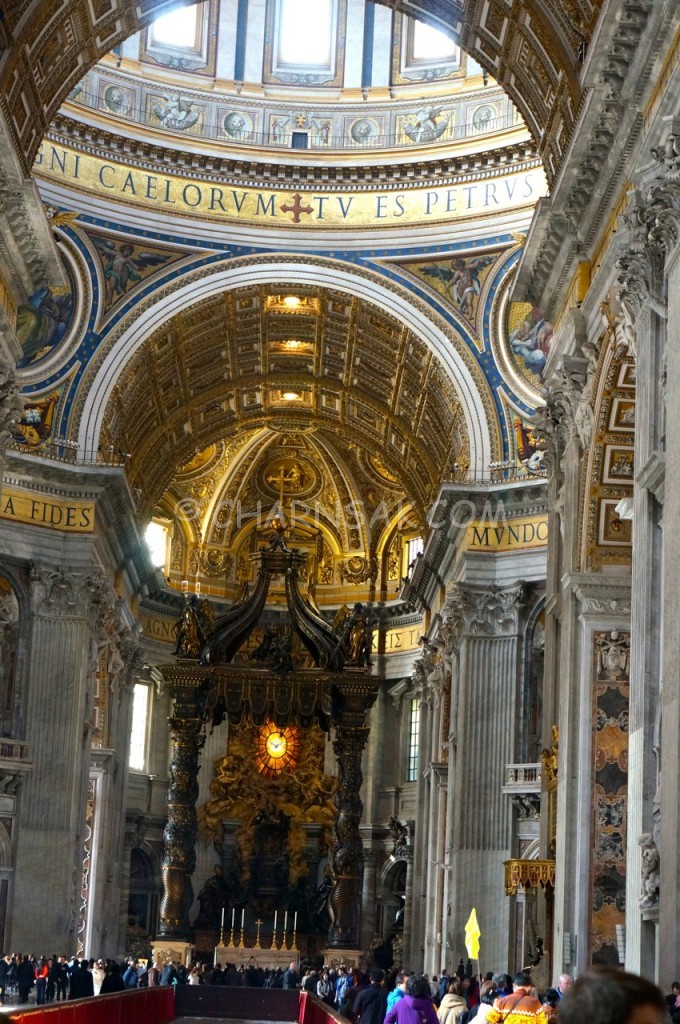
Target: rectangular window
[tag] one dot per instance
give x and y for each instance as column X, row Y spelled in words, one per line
column 306, row 33
column 413, row 735
column 179, row 28
column 139, row 730
column 429, row 45
column 415, row 548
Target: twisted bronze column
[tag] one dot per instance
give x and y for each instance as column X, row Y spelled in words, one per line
column 347, row 857
column 179, row 834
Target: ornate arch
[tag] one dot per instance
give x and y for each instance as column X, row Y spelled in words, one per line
column 287, row 271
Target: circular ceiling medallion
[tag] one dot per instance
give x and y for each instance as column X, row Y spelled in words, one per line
column 276, row 748
column 290, row 475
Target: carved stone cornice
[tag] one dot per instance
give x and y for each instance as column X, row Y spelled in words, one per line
column 27, row 247
column 253, row 172
column 598, row 594
column 569, row 222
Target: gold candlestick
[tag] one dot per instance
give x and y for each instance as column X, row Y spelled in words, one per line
column 231, row 939
column 273, row 945
column 295, row 945
column 257, row 938
column 241, row 943
column 221, row 942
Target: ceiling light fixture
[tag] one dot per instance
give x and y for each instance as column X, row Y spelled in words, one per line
column 290, row 396
column 292, row 301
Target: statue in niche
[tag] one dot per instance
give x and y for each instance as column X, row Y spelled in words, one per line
column 650, row 872
column 399, row 833
column 359, row 638
column 212, row 899
column 195, row 625
column 549, row 757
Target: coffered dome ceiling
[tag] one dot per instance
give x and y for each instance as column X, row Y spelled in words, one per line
column 319, row 400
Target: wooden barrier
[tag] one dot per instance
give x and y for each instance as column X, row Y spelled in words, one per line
column 141, row 1006
column 225, row 1002
column 314, row 1011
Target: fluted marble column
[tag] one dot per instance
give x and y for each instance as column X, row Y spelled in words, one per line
column 479, row 831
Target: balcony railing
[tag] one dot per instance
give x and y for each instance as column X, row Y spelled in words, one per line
column 14, row 750
column 62, row 450
column 523, row 778
column 316, row 137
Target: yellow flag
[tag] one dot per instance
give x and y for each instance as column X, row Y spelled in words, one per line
column 472, row 935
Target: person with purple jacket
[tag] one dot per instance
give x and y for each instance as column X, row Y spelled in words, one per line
column 416, row 1007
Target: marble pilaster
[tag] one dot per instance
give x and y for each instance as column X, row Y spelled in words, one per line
column 414, row 950
column 58, row 724
column 480, row 829
column 646, row 592
column 669, row 923
column 590, row 604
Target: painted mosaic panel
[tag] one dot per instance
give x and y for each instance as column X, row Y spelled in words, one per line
column 126, row 263
column 529, row 340
column 611, row 674
column 459, row 279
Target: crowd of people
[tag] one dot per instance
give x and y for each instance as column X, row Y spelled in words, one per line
column 601, row 996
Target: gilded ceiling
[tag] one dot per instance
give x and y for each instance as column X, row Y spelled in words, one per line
column 381, row 414
column 532, row 49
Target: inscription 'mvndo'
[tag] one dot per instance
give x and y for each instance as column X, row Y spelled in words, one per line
column 510, row 535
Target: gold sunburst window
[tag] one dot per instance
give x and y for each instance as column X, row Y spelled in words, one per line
column 277, row 748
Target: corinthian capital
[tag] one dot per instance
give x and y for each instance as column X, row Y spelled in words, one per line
column 496, row 611
column 556, row 422
column 58, row 593
column 10, row 402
